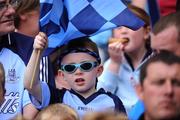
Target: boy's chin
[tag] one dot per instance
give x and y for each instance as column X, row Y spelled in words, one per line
column 84, row 91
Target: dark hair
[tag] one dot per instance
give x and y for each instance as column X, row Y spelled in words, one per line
column 82, row 44
column 167, row 21
column 164, row 56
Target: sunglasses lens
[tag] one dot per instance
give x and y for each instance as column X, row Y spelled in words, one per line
column 69, row 68
column 86, row 66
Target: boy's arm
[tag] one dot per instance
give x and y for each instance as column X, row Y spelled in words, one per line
column 29, row 110
column 40, row 43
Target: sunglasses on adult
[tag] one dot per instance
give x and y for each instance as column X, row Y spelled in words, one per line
column 83, row 66
column 6, row 3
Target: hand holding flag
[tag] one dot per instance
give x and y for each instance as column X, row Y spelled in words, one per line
column 40, row 43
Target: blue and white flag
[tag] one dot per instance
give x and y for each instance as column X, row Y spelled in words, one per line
column 63, row 20
column 153, row 11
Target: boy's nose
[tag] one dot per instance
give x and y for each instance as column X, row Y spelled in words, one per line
column 78, row 71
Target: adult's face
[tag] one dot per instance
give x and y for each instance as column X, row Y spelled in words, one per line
column 6, row 17
column 166, row 40
column 161, row 91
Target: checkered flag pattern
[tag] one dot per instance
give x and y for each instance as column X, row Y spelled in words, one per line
column 63, row 20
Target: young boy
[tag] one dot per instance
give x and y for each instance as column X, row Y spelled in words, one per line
column 2, row 83
column 80, row 66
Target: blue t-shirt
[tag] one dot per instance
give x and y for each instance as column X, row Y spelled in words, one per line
column 14, row 74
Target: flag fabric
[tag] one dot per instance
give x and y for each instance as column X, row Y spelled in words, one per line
column 153, row 11
column 63, row 20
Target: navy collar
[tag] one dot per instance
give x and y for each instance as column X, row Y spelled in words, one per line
column 90, row 98
column 4, row 42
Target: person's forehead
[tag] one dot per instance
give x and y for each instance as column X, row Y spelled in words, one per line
column 74, row 57
column 169, row 31
column 165, row 39
column 159, row 67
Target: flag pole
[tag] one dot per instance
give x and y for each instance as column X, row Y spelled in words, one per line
column 35, row 68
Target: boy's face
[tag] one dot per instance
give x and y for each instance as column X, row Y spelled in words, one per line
column 79, row 80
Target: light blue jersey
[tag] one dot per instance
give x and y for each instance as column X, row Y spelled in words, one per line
column 14, row 71
column 121, row 84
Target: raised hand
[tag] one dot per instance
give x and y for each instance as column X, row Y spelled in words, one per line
column 40, row 41
column 115, row 50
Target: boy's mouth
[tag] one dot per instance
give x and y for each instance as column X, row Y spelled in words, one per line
column 79, row 81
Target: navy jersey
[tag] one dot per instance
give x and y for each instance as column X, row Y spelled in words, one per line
column 98, row 101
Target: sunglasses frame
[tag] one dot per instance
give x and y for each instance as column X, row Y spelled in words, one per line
column 79, row 65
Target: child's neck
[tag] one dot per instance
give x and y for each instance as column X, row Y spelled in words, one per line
column 87, row 93
column 137, row 56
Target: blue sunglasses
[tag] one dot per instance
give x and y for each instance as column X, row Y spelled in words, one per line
column 84, row 66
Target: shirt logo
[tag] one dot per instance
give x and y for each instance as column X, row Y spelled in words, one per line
column 10, row 104
column 12, row 76
column 85, row 108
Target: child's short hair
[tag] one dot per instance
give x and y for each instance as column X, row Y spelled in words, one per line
column 57, row 112
column 82, row 44
column 2, row 76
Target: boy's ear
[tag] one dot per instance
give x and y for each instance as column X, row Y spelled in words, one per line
column 139, row 91
column 100, row 70
column 60, row 81
column 60, row 73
